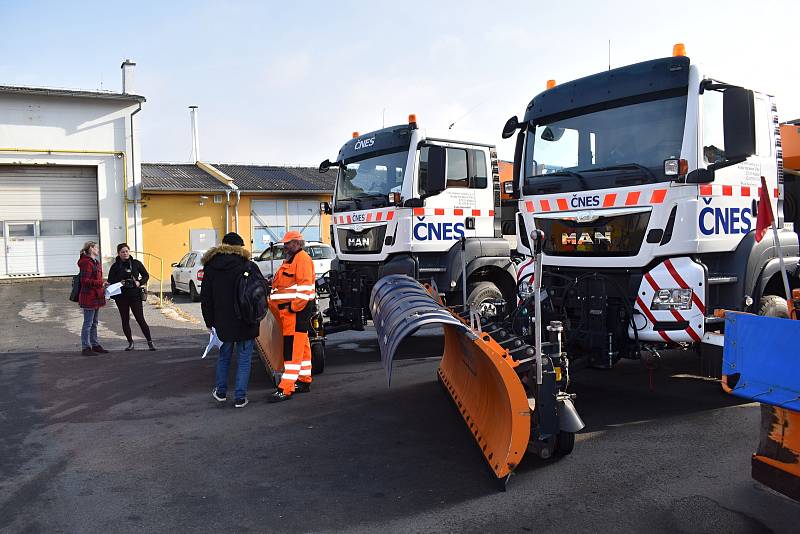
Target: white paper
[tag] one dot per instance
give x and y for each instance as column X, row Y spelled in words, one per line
column 113, row 289
column 213, row 341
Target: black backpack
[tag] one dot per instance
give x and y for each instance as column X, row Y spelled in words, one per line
column 250, row 304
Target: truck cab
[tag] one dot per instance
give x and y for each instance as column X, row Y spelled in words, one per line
column 407, row 202
column 645, row 180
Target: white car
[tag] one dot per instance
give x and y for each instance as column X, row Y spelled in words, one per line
column 321, row 255
column 187, row 275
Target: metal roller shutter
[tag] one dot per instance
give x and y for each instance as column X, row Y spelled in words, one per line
column 46, row 213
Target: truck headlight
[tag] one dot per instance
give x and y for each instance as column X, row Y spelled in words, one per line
column 672, row 299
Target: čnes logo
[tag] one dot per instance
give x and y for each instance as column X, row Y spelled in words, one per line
column 584, row 202
column 585, row 238
column 365, row 143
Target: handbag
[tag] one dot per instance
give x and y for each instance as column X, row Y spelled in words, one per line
column 74, row 295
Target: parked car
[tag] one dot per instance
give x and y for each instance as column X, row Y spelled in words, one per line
column 187, row 275
column 321, row 254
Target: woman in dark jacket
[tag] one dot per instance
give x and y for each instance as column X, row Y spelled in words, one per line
column 134, row 277
column 91, row 297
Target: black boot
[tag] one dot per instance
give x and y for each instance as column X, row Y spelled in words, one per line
column 130, row 346
column 150, row 344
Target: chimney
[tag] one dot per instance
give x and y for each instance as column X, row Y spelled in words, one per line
column 127, row 76
column 195, row 134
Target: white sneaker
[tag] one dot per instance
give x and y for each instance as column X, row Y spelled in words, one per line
column 219, row 398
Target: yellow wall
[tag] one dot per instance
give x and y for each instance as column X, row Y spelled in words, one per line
column 246, row 224
column 167, row 219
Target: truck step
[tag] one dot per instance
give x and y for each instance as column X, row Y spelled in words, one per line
column 717, row 279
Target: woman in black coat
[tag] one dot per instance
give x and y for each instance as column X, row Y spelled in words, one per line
column 134, row 277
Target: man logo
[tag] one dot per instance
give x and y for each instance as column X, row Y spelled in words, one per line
column 585, row 238
column 365, row 143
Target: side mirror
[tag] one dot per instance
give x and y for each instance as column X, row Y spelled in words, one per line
column 325, row 207
column 437, row 170
column 324, row 166
column 700, row 176
column 511, row 126
column 174, row 265
column 738, row 112
column 552, row 133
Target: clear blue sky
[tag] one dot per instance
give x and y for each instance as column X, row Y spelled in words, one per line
column 288, row 84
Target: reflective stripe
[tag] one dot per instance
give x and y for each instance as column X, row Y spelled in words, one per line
column 291, row 366
column 305, row 288
column 289, row 376
column 305, row 372
column 304, row 297
column 306, row 363
column 283, row 296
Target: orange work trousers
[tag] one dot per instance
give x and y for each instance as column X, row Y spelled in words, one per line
column 296, row 347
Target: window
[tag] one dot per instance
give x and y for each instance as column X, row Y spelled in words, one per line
column 457, row 175
column 54, row 228
column 88, row 227
column 304, row 218
column 465, row 168
column 191, row 260
column 21, row 230
column 321, row 252
column 713, row 128
column 183, row 261
column 277, row 253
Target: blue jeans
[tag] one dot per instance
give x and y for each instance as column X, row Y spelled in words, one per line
column 89, row 328
column 243, row 357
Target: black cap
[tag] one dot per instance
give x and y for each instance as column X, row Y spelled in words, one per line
column 233, row 238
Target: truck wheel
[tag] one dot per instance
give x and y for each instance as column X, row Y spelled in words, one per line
column 565, row 442
column 195, row 296
column 773, row 306
column 480, row 293
column 317, row 358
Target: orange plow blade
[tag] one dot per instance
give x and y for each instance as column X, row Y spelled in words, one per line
column 489, row 395
column 476, row 371
column 270, row 346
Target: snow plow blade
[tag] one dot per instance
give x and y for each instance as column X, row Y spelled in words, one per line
column 270, row 346
column 475, row 370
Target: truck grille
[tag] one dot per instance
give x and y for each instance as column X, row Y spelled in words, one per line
column 367, row 241
column 619, row 235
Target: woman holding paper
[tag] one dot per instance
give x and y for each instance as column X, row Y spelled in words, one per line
column 133, row 276
column 91, row 297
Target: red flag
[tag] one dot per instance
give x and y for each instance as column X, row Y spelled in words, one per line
column 765, row 216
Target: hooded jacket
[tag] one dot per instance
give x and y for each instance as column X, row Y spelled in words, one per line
column 93, row 294
column 222, row 267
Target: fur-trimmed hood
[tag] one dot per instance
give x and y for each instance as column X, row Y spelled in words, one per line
column 225, row 249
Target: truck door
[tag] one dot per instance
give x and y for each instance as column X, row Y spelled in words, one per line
column 466, row 207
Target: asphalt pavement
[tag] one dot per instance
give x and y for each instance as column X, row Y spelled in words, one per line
column 133, row 442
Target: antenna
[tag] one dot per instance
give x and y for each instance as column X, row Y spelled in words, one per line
column 473, row 108
column 609, row 54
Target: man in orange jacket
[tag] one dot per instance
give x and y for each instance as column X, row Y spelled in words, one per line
column 292, row 302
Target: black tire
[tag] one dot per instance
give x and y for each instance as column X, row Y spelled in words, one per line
column 565, row 442
column 193, row 294
column 480, row 292
column 773, row 306
column 173, row 286
column 317, row 358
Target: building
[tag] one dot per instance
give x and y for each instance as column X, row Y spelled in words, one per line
column 191, row 206
column 68, row 173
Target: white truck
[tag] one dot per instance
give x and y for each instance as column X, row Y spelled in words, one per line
column 406, row 202
column 645, row 180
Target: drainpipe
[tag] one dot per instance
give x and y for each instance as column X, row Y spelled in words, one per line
column 136, row 192
column 236, row 213
column 227, row 210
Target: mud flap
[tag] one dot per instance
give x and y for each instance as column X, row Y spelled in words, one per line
column 270, row 347
column 476, row 371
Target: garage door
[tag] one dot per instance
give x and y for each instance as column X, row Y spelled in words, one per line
column 273, row 218
column 46, row 214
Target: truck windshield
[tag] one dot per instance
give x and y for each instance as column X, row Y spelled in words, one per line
column 604, row 148
column 366, row 183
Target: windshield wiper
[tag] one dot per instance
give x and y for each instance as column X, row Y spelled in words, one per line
column 625, row 167
column 573, row 174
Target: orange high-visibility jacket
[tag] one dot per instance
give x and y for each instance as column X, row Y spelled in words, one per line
column 294, row 282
